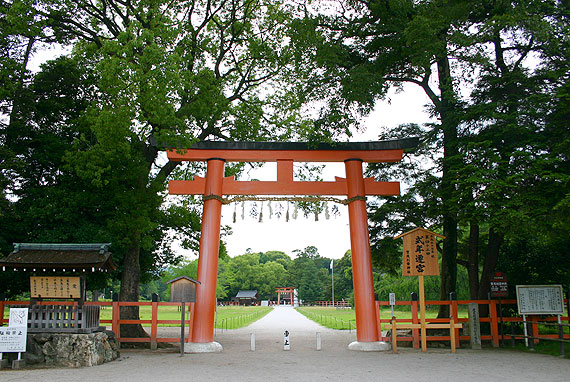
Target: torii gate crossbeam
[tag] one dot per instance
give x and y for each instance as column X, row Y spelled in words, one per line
column 355, row 187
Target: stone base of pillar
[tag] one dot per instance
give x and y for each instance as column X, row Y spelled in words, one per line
column 369, row 346
column 203, row 347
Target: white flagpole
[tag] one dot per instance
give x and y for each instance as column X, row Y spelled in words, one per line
column 332, row 279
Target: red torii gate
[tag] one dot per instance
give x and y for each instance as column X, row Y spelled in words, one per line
column 287, row 291
column 354, row 186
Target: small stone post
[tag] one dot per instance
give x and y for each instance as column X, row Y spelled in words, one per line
column 474, row 326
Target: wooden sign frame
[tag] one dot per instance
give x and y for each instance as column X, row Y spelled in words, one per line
column 420, row 253
column 62, row 287
column 420, row 259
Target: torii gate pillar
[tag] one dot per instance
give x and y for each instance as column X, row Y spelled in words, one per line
column 205, row 310
column 365, row 305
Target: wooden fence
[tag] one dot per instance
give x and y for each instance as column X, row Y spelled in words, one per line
column 492, row 322
column 492, row 332
column 115, row 322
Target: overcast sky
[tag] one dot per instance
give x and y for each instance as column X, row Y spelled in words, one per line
column 331, row 237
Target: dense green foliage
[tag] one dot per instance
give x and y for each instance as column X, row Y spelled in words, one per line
column 491, row 172
column 82, row 139
column 308, row 272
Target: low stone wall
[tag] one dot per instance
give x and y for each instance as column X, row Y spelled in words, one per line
column 71, row 350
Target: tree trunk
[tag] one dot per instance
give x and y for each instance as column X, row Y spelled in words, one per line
column 473, row 266
column 495, row 241
column 446, row 109
column 130, row 284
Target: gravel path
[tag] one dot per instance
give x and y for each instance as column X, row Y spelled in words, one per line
column 303, row 363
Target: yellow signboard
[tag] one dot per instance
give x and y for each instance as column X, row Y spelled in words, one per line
column 420, row 253
column 55, row 287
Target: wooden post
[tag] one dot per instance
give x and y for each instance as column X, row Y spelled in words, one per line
column 535, row 331
column 366, row 329
column 115, row 318
column 2, row 309
column 423, row 313
column 191, row 321
column 182, row 319
column 494, row 323
column 394, row 335
column 454, row 314
column 154, row 323
column 205, row 310
column 452, row 333
column 415, row 332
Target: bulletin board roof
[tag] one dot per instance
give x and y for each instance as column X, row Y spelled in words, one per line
column 60, row 256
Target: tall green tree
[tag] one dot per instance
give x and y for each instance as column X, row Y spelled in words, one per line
column 167, row 74
column 468, row 57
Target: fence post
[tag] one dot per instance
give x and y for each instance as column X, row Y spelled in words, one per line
column 154, row 322
column 494, row 323
column 452, row 334
column 454, row 315
column 394, row 334
column 561, row 337
column 115, row 318
column 568, row 307
column 378, row 314
column 415, row 332
column 535, row 329
column 512, row 334
column 2, row 298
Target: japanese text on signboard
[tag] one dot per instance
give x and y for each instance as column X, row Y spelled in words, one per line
column 55, row 287
column 13, row 339
column 540, row 299
column 420, row 254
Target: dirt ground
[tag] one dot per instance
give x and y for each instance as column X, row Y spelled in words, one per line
column 303, row 362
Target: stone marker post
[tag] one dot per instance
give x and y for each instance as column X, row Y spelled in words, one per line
column 286, row 343
column 474, row 326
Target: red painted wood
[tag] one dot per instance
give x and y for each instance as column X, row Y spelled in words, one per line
column 365, row 305
column 205, row 307
column 415, row 320
column 154, row 325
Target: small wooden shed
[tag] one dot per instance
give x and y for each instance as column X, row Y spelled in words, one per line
column 247, row 297
column 183, row 289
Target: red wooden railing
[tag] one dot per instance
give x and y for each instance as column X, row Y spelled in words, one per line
column 493, row 321
column 116, row 321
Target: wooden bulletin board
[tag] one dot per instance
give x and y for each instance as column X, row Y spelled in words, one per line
column 55, row 287
column 420, row 253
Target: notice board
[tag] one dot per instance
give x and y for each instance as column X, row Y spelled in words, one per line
column 420, row 253
column 540, row 299
column 55, row 287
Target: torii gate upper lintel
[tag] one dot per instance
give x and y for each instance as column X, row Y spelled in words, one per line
column 354, row 186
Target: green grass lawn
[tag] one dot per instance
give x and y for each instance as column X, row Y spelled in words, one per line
column 234, row 317
column 227, row 317
column 230, row 317
column 344, row 319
